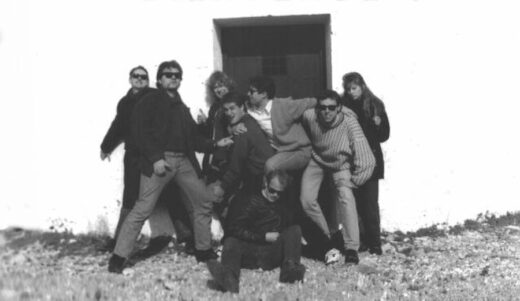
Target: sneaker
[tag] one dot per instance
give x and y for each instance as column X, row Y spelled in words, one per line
column 332, row 256
column 291, row 272
column 205, row 255
column 223, row 276
column 351, row 256
column 375, row 250
column 116, row 264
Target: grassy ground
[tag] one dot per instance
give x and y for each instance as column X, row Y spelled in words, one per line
column 477, row 260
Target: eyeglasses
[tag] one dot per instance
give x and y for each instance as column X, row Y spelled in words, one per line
column 176, row 75
column 274, row 191
column 329, row 107
column 140, row 76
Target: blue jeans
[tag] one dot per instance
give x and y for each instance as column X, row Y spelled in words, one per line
column 345, row 202
column 197, row 194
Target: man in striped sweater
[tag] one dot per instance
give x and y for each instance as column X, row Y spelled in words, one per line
column 340, row 149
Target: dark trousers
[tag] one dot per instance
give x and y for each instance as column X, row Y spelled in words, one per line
column 368, row 209
column 238, row 254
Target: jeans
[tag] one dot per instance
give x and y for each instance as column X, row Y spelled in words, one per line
column 368, row 208
column 197, row 194
column 238, row 253
column 345, row 203
column 289, row 161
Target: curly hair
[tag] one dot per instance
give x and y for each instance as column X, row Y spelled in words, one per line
column 221, row 78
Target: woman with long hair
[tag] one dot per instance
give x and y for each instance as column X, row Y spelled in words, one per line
column 214, row 125
column 374, row 121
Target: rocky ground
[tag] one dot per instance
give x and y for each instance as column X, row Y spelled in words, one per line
column 479, row 260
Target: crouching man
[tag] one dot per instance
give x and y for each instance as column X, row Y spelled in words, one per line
column 261, row 236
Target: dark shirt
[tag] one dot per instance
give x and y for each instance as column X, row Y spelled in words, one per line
column 374, row 134
column 214, row 128
column 162, row 124
column 250, row 151
column 120, row 129
column 257, row 218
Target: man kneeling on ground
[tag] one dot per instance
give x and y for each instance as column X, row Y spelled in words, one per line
column 261, row 236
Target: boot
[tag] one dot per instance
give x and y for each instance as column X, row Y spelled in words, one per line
column 116, row 264
column 223, row 276
column 291, row 271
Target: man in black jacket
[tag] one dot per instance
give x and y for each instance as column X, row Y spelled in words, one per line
column 120, row 131
column 262, row 236
column 167, row 139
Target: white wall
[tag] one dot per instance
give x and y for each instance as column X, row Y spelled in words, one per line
column 446, row 70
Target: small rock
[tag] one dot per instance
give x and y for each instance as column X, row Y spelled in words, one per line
column 72, row 241
column 170, row 285
column 129, row 272
column 406, row 250
column 387, row 248
column 513, row 229
column 366, row 269
column 19, row 259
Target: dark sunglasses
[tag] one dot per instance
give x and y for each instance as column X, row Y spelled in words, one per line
column 140, row 76
column 329, row 107
column 176, row 75
column 274, row 191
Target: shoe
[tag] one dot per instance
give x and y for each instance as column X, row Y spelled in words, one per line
column 332, row 256
column 291, row 271
column 189, row 247
column 155, row 246
column 362, row 248
column 223, row 276
column 116, row 264
column 203, row 256
column 351, row 256
column 375, row 250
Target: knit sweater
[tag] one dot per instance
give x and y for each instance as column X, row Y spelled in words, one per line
column 340, row 146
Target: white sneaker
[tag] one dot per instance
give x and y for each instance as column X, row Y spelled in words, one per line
column 332, row 256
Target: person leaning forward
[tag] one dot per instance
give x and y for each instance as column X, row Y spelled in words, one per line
column 167, row 138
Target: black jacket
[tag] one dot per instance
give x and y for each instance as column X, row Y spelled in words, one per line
column 120, row 129
column 152, row 121
column 258, row 217
column 375, row 135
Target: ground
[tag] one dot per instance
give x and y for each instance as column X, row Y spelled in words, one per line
column 478, row 260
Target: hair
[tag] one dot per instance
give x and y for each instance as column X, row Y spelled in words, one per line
column 284, row 178
column 137, row 68
column 372, row 105
column 264, row 84
column 329, row 94
column 165, row 65
column 236, row 98
column 213, row 79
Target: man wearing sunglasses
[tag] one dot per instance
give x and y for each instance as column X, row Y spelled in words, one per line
column 341, row 150
column 262, row 236
column 120, row 131
column 167, row 139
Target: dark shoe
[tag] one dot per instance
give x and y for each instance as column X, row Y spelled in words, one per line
column 116, row 264
column 155, row 246
column 189, row 247
column 363, row 248
column 351, row 256
column 223, row 276
column 203, row 256
column 291, row 272
column 375, row 250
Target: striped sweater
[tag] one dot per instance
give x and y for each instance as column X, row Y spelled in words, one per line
column 341, row 146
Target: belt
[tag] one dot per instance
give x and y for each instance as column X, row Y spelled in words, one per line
column 174, row 154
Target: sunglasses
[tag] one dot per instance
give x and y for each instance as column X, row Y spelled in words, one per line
column 140, row 76
column 176, row 75
column 329, row 107
column 274, row 191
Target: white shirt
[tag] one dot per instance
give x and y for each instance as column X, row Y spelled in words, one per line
column 263, row 117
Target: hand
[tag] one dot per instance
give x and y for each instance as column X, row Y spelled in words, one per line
column 201, row 118
column 160, row 167
column 224, row 142
column 238, row 129
column 104, row 156
column 271, row 236
column 377, row 120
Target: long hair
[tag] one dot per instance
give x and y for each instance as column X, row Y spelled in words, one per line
column 372, row 105
column 220, row 78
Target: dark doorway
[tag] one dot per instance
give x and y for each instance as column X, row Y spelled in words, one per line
column 291, row 50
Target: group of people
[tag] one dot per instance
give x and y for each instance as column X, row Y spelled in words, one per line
column 265, row 160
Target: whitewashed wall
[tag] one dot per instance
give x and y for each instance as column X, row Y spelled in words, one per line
column 447, row 71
